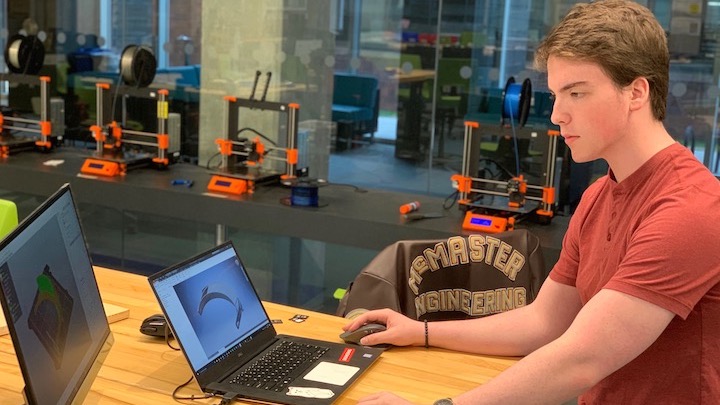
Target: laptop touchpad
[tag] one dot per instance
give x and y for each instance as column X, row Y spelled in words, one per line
column 331, row 373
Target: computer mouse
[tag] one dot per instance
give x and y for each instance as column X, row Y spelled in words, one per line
column 357, row 334
column 155, row 325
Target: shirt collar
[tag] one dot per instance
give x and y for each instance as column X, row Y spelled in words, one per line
column 643, row 173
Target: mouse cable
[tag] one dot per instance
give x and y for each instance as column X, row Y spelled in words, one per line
column 178, row 398
column 167, row 339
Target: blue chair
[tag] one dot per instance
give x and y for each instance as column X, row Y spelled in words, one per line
column 356, row 106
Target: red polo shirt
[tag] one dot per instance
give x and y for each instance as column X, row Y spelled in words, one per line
column 655, row 236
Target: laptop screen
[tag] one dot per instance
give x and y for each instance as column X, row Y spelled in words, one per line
column 52, row 304
column 211, row 306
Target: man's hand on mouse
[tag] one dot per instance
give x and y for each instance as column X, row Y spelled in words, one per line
column 401, row 330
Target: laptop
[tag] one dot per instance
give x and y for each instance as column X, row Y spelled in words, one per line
column 225, row 334
column 50, row 298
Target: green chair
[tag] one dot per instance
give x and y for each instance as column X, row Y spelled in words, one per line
column 294, row 70
column 472, row 39
column 409, row 62
column 8, row 217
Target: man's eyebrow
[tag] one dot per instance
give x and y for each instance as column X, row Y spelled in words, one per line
column 569, row 86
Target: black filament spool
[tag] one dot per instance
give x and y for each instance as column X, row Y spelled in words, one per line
column 137, row 66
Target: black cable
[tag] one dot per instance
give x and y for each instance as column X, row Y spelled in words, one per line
column 354, row 187
column 35, row 40
column 167, row 339
column 115, row 96
column 515, row 144
column 501, row 167
column 178, row 398
column 207, row 166
column 256, row 133
column 452, row 198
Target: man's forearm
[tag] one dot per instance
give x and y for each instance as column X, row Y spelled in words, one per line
column 612, row 329
column 494, row 335
column 513, row 333
column 550, row 375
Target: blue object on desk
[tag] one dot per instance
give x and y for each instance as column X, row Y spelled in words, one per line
column 181, row 182
column 305, row 194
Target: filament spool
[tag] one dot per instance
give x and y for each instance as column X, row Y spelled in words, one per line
column 137, row 66
column 24, row 54
column 304, row 193
column 516, row 101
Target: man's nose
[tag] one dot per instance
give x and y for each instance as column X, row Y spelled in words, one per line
column 558, row 116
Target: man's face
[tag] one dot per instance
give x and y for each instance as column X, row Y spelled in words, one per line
column 591, row 111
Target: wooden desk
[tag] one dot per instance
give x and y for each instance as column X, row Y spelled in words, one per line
column 413, row 76
column 141, row 369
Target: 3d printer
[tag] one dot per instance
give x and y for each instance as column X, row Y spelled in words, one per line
column 494, row 203
column 24, row 56
column 242, row 158
column 119, row 149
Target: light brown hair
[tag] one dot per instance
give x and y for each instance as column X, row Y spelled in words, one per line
column 623, row 37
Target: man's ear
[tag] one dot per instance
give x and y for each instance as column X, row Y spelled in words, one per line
column 639, row 93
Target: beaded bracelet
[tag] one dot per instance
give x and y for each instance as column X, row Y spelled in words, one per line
column 426, row 335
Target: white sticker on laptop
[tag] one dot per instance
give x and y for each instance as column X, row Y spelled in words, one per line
column 331, row 373
column 310, row 392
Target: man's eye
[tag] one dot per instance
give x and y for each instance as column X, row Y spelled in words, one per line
column 575, row 94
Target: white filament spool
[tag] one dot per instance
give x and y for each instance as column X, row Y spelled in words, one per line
column 24, row 54
column 14, row 53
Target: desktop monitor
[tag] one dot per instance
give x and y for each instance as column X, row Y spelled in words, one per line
column 52, row 305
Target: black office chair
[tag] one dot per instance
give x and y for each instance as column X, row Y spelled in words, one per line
column 452, row 97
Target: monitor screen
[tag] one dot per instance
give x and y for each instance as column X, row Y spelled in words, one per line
column 51, row 301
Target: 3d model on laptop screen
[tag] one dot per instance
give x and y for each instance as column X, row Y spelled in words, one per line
column 213, row 304
column 50, row 315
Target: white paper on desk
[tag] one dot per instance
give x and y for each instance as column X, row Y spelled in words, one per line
column 332, row 373
column 54, row 162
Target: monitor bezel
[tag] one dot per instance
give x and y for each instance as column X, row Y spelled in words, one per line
column 91, row 370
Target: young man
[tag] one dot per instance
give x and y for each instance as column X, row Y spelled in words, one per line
column 630, row 314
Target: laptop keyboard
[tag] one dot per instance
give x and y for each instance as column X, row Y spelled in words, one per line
column 280, row 366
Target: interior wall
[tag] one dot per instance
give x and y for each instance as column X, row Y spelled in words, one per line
column 240, row 37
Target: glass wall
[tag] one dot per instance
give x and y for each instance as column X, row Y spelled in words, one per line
column 385, row 88
column 434, row 64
